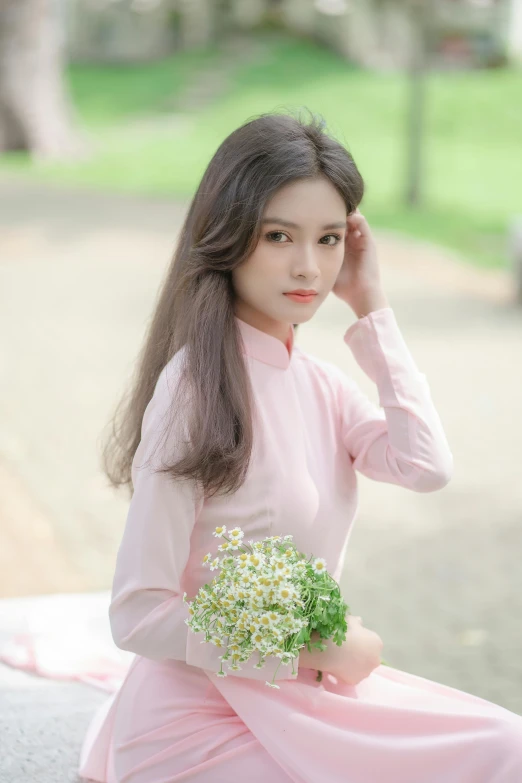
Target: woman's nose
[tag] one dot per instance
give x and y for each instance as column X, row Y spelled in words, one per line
column 308, row 258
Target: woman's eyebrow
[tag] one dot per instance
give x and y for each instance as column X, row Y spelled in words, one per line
column 289, row 224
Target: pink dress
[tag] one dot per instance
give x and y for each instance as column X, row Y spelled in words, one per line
column 174, row 719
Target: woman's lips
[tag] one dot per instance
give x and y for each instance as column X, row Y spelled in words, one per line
column 301, row 298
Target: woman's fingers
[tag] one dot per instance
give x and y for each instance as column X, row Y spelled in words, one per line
column 356, row 225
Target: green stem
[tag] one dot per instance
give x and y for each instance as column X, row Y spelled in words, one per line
column 278, row 665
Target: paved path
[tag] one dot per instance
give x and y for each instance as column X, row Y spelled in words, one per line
column 437, row 575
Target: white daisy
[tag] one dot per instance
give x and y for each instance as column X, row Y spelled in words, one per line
column 319, row 565
column 285, row 592
column 236, row 533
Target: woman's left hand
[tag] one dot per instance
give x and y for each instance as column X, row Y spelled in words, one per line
column 359, row 281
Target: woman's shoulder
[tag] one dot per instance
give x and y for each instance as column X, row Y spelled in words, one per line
column 166, row 412
column 169, row 377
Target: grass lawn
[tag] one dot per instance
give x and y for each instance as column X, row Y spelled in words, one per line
column 145, row 142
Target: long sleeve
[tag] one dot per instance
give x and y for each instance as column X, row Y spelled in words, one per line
column 147, row 613
column 403, row 441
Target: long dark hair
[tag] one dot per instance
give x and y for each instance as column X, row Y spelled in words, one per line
column 195, row 303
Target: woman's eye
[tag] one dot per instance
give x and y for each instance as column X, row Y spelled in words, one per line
column 276, row 233
column 337, row 237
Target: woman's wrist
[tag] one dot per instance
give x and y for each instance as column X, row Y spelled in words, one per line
column 352, row 661
column 314, row 659
column 370, row 303
column 321, row 659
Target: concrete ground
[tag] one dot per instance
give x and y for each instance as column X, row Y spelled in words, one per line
column 437, row 575
column 42, row 725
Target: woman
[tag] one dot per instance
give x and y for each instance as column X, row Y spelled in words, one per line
column 231, row 423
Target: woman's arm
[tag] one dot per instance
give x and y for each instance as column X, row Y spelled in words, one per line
column 147, row 613
column 403, row 442
column 352, row 661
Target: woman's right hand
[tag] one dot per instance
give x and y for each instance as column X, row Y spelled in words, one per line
column 358, row 655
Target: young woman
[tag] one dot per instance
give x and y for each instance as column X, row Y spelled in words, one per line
column 231, row 423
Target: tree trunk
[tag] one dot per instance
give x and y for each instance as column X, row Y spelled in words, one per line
column 421, row 19
column 34, row 109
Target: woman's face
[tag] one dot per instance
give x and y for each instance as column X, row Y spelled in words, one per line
column 307, row 254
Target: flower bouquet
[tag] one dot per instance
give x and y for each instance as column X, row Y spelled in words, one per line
column 267, row 599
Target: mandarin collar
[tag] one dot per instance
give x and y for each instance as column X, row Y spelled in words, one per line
column 265, row 347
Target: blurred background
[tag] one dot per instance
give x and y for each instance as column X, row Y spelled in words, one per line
column 110, row 111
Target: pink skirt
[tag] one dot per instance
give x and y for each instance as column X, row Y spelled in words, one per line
column 170, row 722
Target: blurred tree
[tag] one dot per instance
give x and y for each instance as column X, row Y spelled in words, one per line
column 34, row 108
column 223, row 18
column 514, row 33
column 123, row 31
column 197, row 23
column 421, row 18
